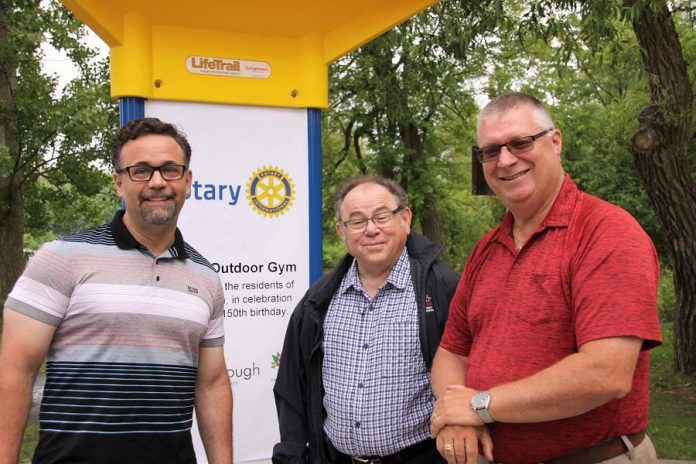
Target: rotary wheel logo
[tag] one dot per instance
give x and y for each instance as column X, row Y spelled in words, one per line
column 270, row 191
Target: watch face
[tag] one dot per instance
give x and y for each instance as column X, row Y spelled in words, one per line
column 480, row 400
column 479, row 403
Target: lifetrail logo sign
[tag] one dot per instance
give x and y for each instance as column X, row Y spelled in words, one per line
column 227, row 67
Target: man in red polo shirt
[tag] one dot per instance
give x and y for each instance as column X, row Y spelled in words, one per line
column 545, row 353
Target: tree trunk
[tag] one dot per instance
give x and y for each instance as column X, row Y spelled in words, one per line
column 431, row 223
column 660, row 154
column 11, row 203
column 400, row 126
column 417, row 171
column 12, row 254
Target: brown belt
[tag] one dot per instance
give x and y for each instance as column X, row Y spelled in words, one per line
column 600, row 452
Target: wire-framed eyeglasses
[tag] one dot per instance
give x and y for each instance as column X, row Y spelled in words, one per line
column 143, row 173
column 516, row 147
column 379, row 220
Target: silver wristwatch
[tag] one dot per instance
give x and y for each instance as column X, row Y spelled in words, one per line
column 479, row 403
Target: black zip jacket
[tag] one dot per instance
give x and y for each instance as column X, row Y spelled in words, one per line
column 298, row 388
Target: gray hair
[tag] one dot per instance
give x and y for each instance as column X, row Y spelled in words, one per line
column 512, row 100
column 345, row 187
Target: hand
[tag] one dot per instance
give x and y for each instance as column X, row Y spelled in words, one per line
column 459, row 444
column 454, row 408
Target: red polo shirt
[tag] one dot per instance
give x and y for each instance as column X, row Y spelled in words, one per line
column 588, row 272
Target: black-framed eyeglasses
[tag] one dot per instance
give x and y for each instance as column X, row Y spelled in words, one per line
column 379, row 219
column 516, row 147
column 143, row 173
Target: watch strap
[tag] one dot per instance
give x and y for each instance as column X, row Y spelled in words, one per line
column 485, row 415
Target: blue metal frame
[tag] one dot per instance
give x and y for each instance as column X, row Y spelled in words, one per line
column 316, row 254
column 130, row 108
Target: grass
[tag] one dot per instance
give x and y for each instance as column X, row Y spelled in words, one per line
column 31, row 436
column 672, row 423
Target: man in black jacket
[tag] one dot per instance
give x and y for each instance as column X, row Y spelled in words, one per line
column 353, row 385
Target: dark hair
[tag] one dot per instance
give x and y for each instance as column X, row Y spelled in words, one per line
column 512, row 100
column 136, row 128
column 346, row 186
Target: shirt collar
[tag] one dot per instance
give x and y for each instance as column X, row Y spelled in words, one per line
column 398, row 276
column 351, row 279
column 125, row 240
column 562, row 209
column 558, row 216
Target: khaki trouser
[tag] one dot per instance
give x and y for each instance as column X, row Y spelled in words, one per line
column 644, row 453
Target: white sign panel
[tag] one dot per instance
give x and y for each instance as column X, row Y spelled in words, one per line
column 248, row 215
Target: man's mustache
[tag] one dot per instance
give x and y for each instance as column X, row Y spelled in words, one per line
column 157, row 194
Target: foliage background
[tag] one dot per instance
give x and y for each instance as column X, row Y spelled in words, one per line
column 403, row 105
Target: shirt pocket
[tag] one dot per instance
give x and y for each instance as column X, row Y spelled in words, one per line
column 540, row 299
column 401, row 353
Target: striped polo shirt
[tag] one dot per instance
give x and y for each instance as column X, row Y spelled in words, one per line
column 121, row 370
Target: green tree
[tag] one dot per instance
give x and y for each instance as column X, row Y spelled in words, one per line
column 390, row 101
column 593, row 96
column 660, row 153
column 53, row 143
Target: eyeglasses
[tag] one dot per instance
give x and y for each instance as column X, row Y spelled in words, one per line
column 516, row 147
column 379, row 219
column 143, row 173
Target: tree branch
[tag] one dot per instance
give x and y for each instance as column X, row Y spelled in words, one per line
column 358, row 151
column 347, row 135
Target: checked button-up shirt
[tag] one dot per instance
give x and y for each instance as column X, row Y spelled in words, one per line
column 377, row 388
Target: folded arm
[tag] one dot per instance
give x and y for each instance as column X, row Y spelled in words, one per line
column 600, row 371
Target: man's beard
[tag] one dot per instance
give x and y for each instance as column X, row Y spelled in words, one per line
column 158, row 214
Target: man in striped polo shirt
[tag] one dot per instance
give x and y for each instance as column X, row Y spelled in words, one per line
column 131, row 318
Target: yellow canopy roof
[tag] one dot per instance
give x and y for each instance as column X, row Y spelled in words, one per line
column 265, row 52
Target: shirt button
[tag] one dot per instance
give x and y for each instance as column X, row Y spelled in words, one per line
column 360, row 385
column 157, row 278
column 370, row 308
column 365, row 346
column 357, row 425
column 515, row 265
